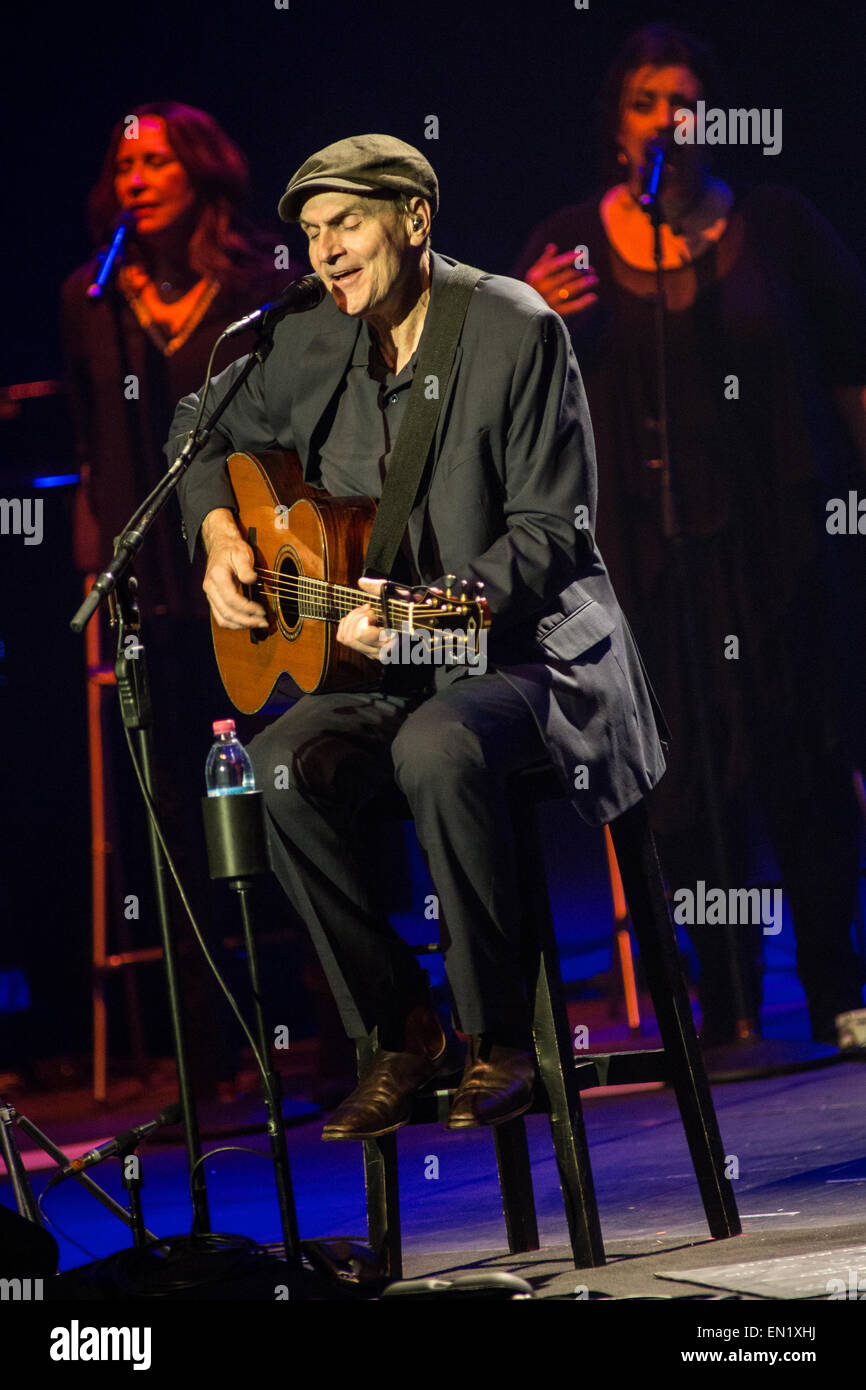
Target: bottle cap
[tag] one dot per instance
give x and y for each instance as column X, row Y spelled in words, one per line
column 224, row 726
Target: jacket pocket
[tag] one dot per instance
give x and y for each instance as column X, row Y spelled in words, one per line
column 475, row 450
column 569, row 637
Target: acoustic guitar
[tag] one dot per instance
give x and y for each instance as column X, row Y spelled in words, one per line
column 307, row 547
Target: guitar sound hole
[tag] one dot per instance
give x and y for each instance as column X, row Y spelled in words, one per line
column 287, row 591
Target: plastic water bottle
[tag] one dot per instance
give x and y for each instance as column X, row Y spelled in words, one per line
column 228, row 770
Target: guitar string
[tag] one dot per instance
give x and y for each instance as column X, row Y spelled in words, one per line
column 431, row 624
column 274, row 583
column 284, row 582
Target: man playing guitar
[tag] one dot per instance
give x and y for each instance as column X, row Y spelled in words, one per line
column 507, row 499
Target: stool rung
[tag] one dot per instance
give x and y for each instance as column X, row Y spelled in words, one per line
column 621, row 1068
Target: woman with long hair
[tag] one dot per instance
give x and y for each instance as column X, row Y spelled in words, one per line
column 192, row 264
column 765, row 316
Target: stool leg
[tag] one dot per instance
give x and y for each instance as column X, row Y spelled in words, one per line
column 381, row 1181
column 556, row 1065
column 554, row 1050
column 515, row 1184
column 656, row 938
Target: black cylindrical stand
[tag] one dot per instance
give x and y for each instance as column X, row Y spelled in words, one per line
column 133, row 1182
column 134, row 695
column 237, row 851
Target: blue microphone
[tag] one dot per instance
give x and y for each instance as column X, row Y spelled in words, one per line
column 107, row 262
column 652, row 172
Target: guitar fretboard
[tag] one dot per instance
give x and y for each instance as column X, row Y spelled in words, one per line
column 319, row 599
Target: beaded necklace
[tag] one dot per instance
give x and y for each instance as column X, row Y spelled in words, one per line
column 133, row 283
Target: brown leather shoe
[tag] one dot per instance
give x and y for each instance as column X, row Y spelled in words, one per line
column 382, row 1101
column 497, row 1086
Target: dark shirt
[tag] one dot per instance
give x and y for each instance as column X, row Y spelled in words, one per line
column 370, row 411
column 369, row 414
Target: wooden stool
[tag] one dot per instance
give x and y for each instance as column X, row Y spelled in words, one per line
column 562, row 1077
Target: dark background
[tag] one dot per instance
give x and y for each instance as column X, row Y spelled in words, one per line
column 514, row 87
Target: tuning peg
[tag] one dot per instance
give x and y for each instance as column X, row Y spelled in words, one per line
column 449, row 581
column 478, row 589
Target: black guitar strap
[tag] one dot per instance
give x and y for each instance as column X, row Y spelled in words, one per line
column 409, row 455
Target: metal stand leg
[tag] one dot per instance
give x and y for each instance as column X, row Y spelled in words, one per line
column 271, row 1086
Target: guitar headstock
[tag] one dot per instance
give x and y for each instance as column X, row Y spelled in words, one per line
column 458, row 605
column 438, row 626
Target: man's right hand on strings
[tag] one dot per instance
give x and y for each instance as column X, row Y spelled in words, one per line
column 229, row 565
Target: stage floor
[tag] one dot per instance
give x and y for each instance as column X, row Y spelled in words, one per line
column 796, row 1142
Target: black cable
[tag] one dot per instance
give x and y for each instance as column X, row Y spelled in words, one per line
column 154, row 818
column 59, row 1229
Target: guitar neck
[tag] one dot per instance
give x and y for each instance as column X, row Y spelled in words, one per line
column 327, row 602
column 323, row 601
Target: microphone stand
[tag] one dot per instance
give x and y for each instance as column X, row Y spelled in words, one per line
column 678, row 549
column 27, row 1205
column 115, row 584
column 766, row 1056
column 136, row 711
column 133, row 1182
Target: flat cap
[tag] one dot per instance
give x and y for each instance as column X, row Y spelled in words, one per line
column 367, row 164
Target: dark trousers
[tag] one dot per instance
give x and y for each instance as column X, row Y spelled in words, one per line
column 322, row 766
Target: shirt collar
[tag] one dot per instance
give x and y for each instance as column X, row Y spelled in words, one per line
column 364, row 341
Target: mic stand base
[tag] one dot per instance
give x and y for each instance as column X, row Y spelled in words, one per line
column 24, row 1198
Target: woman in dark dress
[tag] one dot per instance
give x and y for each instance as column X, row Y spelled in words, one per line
column 192, row 264
column 766, row 365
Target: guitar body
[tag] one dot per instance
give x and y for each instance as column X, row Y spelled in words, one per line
column 297, row 532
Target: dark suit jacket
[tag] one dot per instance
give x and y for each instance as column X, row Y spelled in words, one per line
column 508, row 498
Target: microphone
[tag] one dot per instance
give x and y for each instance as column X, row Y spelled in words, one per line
column 112, row 255
column 121, row 1144
column 296, row 298
column 654, row 158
